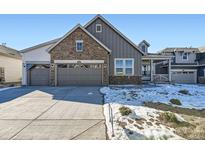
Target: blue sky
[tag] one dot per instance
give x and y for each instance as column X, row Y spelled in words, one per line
column 22, row 31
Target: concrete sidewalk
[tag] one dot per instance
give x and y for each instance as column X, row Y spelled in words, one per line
column 52, row 113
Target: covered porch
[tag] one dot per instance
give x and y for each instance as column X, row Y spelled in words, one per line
column 156, row 68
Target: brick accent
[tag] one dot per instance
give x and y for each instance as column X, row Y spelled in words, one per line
column 201, row 80
column 125, row 80
column 66, row 50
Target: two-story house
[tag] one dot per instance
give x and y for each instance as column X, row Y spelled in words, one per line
column 184, row 64
column 201, row 67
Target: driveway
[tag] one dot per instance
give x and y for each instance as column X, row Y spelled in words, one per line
column 52, row 113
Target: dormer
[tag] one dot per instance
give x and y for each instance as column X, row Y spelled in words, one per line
column 144, row 45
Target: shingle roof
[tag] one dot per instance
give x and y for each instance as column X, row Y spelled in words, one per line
column 9, row 52
column 202, row 49
column 177, row 49
column 40, row 45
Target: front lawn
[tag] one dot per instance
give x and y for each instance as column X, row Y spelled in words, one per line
column 133, row 120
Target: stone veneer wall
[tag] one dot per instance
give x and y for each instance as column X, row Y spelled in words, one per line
column 201, row 80
column 66, row 50
column 125, row 80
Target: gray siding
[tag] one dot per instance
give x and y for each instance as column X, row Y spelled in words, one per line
column 191, row 58
column 201, row 58
column 119, row 46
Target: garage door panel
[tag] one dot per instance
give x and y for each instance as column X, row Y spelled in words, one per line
column 79, row 76
column 184, row 77
column 39, row 77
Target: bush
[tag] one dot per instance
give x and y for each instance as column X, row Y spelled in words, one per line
column 175, row 101
column 184, row 91
column 125, row 110
column 168, row 117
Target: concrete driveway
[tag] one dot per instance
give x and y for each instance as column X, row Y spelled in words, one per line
column 52, row 113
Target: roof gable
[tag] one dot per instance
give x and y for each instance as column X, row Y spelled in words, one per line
column 145, row 42
column 7, row 51
column 116, row 30
column 72, row 30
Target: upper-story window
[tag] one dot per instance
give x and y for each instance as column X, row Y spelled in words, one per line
column 143, row 48
column 98, row 28
column 79, row 45
column 185, row 56
column 204, row 72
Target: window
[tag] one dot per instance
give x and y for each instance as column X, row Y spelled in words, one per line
column 185, row 56
column 124, row 67
column 79, row 45
column 143, row 48
column 204, row 72
column 98, row 28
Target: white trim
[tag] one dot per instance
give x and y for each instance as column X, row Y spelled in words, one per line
column 76, row 61
column 76, row 42
column 183, row 70
column 100, row 28
column 116, row 30
column 37, row 62
column 186, row 65
column 124, row 59
column 72, row 30
column 156, row 58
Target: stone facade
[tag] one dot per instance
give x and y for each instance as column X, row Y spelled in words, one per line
column 201, row 80
column 125, row 80
column 92, row 50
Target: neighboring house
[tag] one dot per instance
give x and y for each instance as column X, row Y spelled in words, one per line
column 202, row 49
column 201, row 67
column 184, row 64
column 10, row 65
column 155, row 67
column 94, row 54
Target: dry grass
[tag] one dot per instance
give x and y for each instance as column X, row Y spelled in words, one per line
column 166, row 107
column 192, row 129
column 196, row 131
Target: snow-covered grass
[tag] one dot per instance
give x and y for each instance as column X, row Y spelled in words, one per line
column 162, row 93
column 144, row 122
column 141, row 124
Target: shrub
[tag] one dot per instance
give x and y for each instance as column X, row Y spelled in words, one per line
column 175, row 101
column 125, row 110
column 184, row 91
column 168, row 117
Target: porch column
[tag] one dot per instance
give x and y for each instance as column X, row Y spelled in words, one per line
column 151, row 67
column 169, row 70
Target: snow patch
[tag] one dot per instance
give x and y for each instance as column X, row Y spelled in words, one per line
column 160, row 93
column 141, row 124
column 7, row 88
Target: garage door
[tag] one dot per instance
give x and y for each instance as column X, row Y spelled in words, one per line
column 39, row 76
column 184, row 76
column 84, row 74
